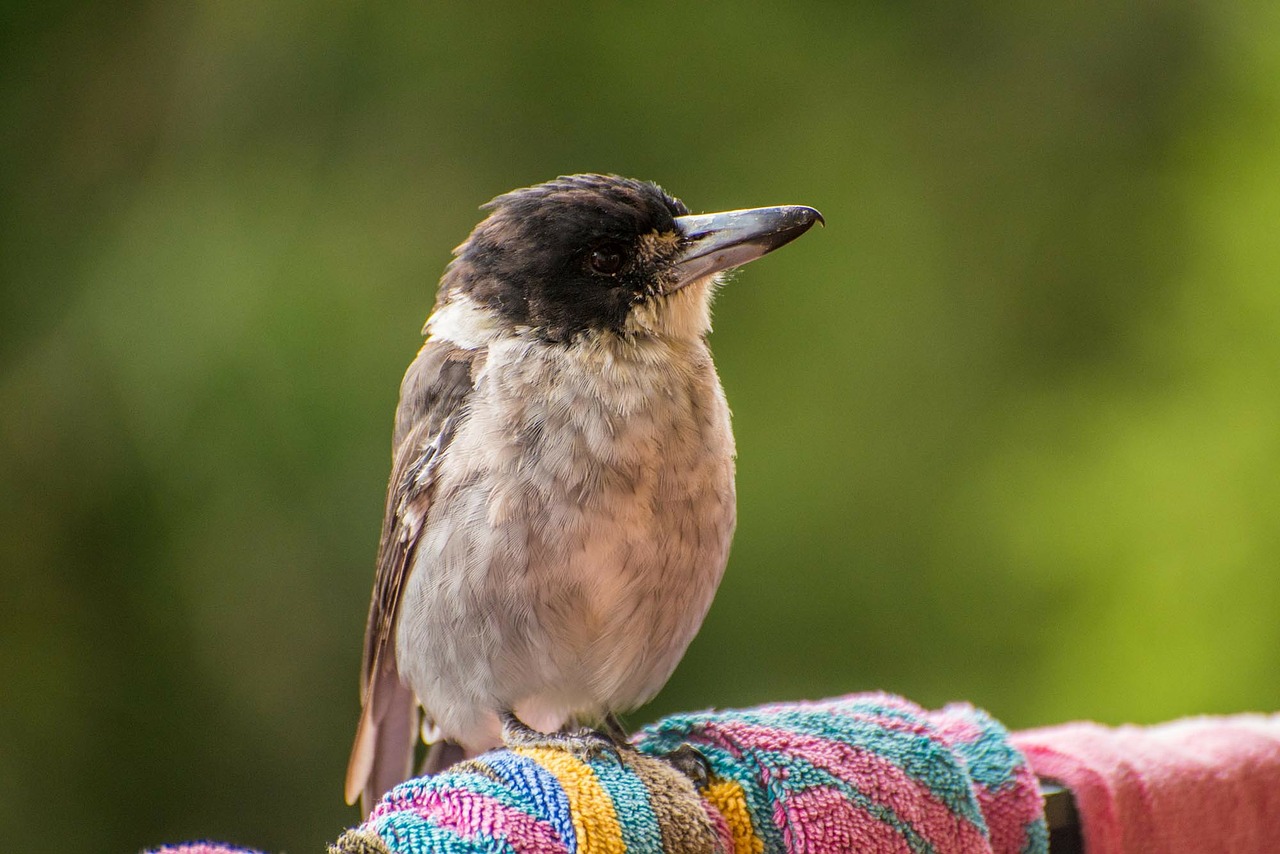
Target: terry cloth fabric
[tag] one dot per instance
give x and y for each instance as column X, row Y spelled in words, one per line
column 201, row 848
column 541, row 801
column 1195, row 785
column 870, row 773
column 867, row 772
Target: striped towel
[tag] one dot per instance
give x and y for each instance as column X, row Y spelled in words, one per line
column 869, row 772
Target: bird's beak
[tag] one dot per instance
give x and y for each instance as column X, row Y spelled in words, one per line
column 721, row 241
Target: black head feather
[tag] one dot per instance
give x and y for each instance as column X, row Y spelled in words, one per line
column 568, row 256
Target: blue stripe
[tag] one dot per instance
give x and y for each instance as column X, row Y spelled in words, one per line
column 546, row 797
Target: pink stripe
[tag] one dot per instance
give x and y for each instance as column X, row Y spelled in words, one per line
column 471, row 814
column 875, row 776
column 719, row 824
column 399, row 799
column 821, row 820
column 1010, row 811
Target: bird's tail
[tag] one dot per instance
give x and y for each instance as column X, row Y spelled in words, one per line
column 382, row 755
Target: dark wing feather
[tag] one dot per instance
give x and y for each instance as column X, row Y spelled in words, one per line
column 433, row 400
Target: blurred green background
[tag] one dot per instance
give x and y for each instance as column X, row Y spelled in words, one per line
column 1007, row 428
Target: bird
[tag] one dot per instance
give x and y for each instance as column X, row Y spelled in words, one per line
column 561, row 501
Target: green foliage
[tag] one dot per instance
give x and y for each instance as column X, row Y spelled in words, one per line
column 1007, row 427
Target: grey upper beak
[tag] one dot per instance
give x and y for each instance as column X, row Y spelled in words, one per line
column 722, row 241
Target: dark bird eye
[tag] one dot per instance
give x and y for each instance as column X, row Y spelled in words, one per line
column 608, row 258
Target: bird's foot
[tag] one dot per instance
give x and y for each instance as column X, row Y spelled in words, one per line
column 583, row 743
column 690, row 762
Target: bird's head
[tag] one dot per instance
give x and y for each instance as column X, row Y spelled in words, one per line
column 593, row 254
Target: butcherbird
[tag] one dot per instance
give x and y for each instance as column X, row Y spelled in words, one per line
column 561, row 500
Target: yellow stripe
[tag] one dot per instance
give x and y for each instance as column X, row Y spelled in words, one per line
column 594, row 820
column 728, row 798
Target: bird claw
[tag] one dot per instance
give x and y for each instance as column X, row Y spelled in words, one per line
column 584, row 744
column 593, row 744
column 690, row 762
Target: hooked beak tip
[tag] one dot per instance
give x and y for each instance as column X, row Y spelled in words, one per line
column 721, row 241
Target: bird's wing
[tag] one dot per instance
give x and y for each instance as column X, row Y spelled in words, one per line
column 433, row 399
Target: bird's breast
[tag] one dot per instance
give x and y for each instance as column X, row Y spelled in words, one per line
column 619, row 428
column 580, row 526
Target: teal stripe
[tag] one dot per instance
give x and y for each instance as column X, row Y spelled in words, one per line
column 992, row 760
column 863, row 706
column 640, row 831
column 1037, row 838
